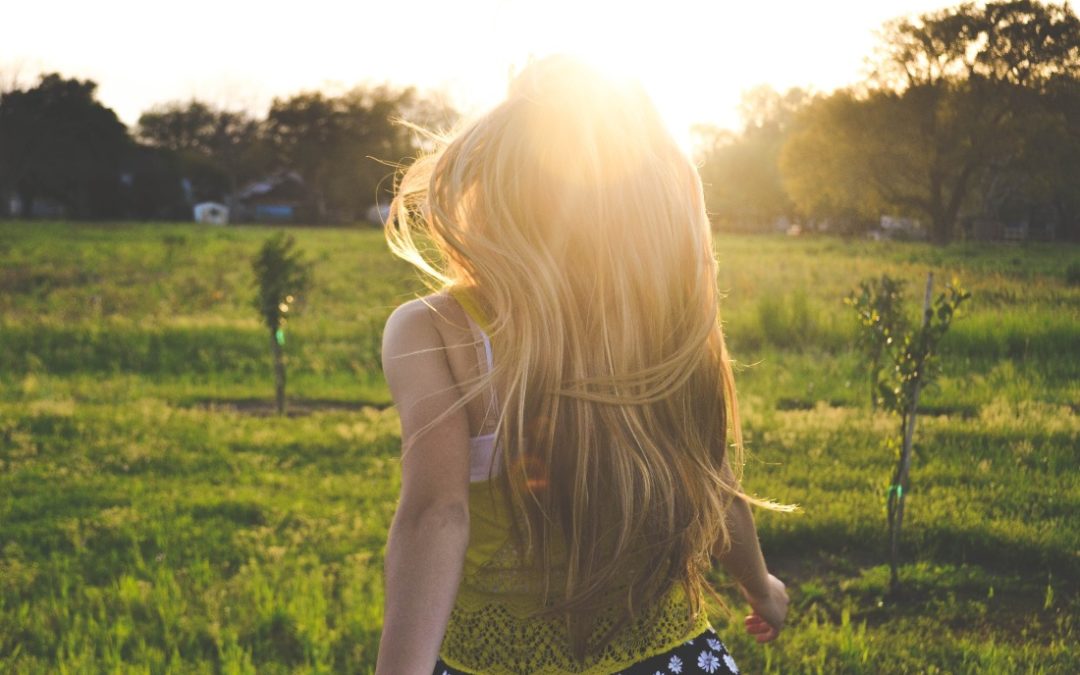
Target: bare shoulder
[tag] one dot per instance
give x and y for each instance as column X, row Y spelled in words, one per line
column 432, row 322
column 419, row 370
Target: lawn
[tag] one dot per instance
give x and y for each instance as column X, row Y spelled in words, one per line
column 155, row 518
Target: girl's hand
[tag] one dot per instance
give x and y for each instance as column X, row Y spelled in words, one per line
column 770, row 610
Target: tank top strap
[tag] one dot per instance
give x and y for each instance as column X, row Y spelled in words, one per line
column 472, row 309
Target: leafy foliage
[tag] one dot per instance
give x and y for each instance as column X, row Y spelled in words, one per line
column 913, row 366
column 218, row 149
column 879, row 306
column 899, row 359
column 344, row 146
column 281, row 276
column 58, row 142
column 743, row 187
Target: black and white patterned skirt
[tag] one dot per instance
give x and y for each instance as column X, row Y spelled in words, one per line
column 703, row 654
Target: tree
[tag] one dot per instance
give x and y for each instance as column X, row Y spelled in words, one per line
column 955, row 96
column 154, row 189
column 307, row 133
column 1038, row 184
column 918, row 153
column 823, row 162
column 972, row 79
column 218, row 149
column 57, row 141
column 346, row 146
column 911, row 366
column 281, row 276
column 377, row 143
column 1025, row 43
column 740, row 172
column 1058, row 144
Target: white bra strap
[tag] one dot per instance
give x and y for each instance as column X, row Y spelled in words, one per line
column 489, row 357
column 487, row 349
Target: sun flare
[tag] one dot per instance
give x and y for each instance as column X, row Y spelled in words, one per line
column 654, row 46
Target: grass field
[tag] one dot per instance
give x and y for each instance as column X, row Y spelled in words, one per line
column 154, row 518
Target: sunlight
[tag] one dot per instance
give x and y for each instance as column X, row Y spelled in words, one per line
column 659, row 47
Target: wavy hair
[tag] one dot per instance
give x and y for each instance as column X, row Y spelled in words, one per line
column 573, row 220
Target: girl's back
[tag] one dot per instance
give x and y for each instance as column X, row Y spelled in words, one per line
column 499, row 596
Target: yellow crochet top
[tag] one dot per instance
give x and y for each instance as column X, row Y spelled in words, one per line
column 492, row 628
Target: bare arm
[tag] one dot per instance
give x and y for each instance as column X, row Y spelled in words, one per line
column 744, row 561
column 426, row 548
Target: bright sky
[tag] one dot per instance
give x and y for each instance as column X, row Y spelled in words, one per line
column 695, row 57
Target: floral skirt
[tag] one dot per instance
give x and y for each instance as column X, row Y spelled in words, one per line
column 703, row 654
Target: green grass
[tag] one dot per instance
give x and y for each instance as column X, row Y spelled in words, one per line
column 154, row 519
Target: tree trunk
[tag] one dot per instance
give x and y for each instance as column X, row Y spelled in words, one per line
column 875, row 370
column 895, row 494
column 940, row 229
column 279, row 372
column 1068, row 222
column 900, row 477
column 939, row 221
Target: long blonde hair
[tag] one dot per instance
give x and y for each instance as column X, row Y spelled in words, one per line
column 572, row 218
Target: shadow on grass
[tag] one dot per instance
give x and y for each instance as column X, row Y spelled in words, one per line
column 967, row 598
column 813, row 551
column 962, row 411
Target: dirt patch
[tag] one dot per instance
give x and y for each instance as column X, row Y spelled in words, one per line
column 294, row 407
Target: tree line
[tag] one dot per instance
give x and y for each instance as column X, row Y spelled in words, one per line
column 60, row 145
column 971, row 115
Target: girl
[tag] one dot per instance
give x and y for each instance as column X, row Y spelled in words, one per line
column 566, row 399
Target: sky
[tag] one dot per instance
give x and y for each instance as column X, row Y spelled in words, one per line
column 694, row 57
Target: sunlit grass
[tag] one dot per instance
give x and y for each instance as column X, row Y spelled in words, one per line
column 150, row 521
